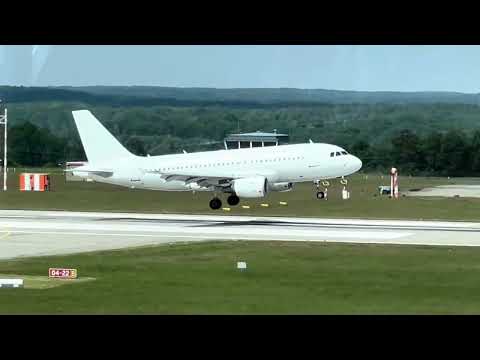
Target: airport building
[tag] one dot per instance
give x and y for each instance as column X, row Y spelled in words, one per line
column 255, row 139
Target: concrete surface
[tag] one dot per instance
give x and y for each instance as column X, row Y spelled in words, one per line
column 38, row 233
column 449, row 191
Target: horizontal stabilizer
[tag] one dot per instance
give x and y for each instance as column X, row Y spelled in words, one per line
column 86, row 171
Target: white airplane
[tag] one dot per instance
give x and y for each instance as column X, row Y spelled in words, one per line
column 241, row 173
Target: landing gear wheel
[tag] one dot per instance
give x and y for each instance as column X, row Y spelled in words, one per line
column 215, row 204
column 233, row 200
column 320, row 195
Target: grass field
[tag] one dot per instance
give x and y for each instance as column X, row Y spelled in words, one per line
column 364, row 201
column 282, row 278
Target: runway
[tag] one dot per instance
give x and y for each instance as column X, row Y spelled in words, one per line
column 39, row 233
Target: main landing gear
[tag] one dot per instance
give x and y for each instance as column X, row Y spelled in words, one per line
column 216, row 203
column 233, row 200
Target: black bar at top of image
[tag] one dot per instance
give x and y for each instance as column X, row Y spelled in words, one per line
column 129, row 24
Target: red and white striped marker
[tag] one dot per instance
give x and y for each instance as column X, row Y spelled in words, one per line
column 394, row 183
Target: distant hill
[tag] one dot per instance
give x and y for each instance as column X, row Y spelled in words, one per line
column 154, row 96
column 282, row 95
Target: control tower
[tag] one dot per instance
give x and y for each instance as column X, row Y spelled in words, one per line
column 254, row 139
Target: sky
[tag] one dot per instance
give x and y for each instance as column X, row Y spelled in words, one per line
column 342, row 67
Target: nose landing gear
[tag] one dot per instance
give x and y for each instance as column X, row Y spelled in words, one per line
column 345, row 192
column 322, row 195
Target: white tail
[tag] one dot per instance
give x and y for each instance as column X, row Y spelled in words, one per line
column 99, row 144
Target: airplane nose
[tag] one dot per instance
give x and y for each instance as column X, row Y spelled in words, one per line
column 357, row 163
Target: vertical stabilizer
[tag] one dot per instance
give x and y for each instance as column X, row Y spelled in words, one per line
column 99, row 144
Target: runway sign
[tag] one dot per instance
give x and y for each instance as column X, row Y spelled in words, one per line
column 11, row 283
column 265, row 205
column 62, row 273
column 283, row 203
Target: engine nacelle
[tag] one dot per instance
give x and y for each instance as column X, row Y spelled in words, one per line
column 253, row 187
column 282, row 186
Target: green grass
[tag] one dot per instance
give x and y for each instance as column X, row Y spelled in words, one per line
column 282, row 278
column 364, row 201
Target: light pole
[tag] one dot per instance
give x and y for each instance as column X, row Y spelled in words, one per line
column 3, row 121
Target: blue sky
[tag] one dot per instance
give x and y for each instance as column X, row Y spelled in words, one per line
column 345, row 67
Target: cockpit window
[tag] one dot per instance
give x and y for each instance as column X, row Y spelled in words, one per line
column 344, row 152
column 337, row 153
column 332, row 154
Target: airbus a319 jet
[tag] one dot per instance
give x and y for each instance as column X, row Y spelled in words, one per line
column 240, row 173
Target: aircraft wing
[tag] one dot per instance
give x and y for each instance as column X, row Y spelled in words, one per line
column 201, row 181
column 205, row 181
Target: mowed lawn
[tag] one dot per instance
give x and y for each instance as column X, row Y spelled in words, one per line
column 282, row 278
column 364, row 202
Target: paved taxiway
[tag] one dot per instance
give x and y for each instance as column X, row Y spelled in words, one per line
column 37, row 233
column 472, row 191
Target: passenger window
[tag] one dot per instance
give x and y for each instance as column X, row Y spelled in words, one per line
column 332, row 154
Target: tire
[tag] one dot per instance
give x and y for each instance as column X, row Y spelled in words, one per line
column 215, row 204
column 233, row 200
column 320, row 195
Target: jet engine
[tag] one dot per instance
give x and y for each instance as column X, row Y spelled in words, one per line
column 281, row 186
column 253, row 187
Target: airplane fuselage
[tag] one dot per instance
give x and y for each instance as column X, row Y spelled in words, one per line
column 279, row 164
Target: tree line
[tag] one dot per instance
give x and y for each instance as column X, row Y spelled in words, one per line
column 452, row 153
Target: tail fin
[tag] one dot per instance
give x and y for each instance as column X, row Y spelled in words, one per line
column 98, row 143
